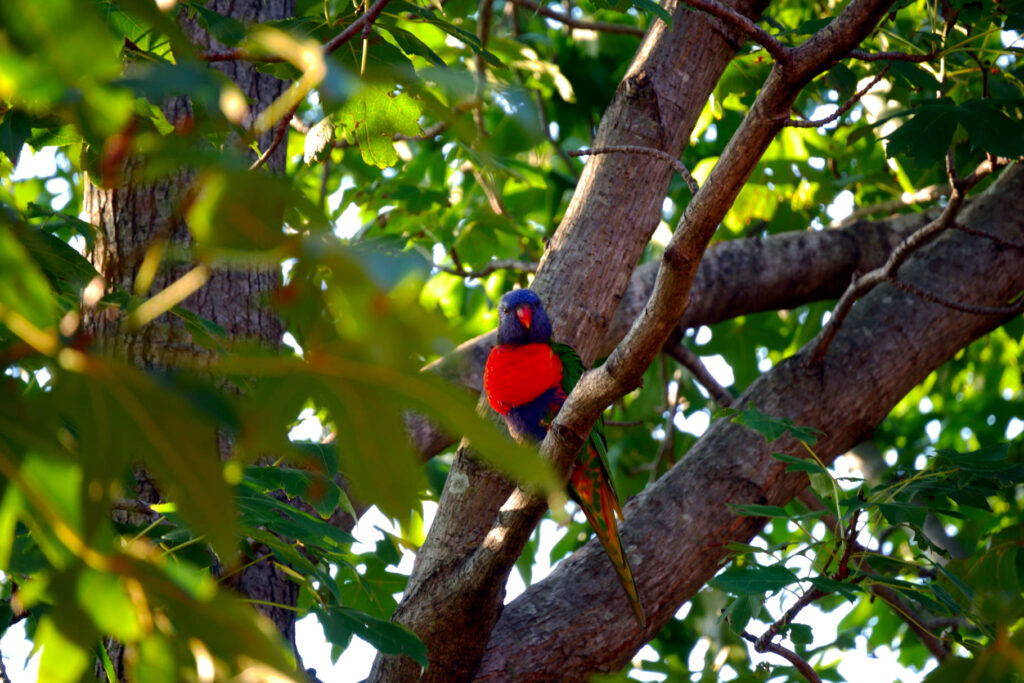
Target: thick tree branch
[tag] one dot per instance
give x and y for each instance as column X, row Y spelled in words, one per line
column 685, row 514
column 604, row 230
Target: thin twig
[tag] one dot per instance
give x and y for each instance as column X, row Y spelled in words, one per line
column 903, row 251
column 599, row 26
column 794, row 123
column 934, row 644
column 692, row 362
column 351, row 30
column 955, row 305
column 499, row 264
column 299, row 125
column 889, row 56
column 279, row 135
column 623, row 423
column 354, row 28
column 647, row 151
column 667, row 447
column 793, row 658
column 766, row 40
column 133, row 505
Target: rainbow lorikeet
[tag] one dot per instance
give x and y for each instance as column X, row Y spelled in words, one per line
column 526, row 381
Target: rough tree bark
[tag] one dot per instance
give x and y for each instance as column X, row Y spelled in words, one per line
column 133, row 216
column 676, row 530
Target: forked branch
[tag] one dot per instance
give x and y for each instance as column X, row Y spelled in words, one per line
column 890, row 271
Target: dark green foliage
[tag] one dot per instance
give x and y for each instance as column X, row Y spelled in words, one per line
column 370, row 308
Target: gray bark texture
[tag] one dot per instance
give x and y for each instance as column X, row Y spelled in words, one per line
column 136, row 214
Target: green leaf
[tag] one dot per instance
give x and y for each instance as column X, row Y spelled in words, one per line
column 849, row 591
column 411, row 45
column 800, row 464
column 63, row 660
column 926, row 135
column 123, row 416
column 103, row 597
column 15, row 130
column 155, row 660
column 989, row 129
column 751, row 510
column 755, row 580
column 654, row 8
column 227, row 30
column 239, row 210
column 23, row 288
column 373, row 117
column 341, row 623
column 769, row 427
column 801, row 634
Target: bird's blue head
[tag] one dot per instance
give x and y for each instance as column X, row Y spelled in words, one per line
column 522, row 320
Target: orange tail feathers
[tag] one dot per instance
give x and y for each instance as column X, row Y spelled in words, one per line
column 596, row 497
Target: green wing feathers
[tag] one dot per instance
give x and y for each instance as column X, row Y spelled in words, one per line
column 590, row 485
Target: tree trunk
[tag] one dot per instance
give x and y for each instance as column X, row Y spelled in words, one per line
column 133, row 216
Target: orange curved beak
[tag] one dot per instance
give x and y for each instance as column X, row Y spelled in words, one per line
column 525, row 315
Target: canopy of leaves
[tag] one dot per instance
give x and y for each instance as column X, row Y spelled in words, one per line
column 437, row 151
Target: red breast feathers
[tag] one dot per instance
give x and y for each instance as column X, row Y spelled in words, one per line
column 516, row 375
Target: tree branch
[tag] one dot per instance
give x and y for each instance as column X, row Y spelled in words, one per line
column 453, row 566
column 678, row 165
column 901, row 253
column 939, row 649
column 757, row 34
column 599, row 26
column 778, row 272
column 692, row 362
column 841, row 110
column 793, row 658
column 497, row 264
column 889, row 56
